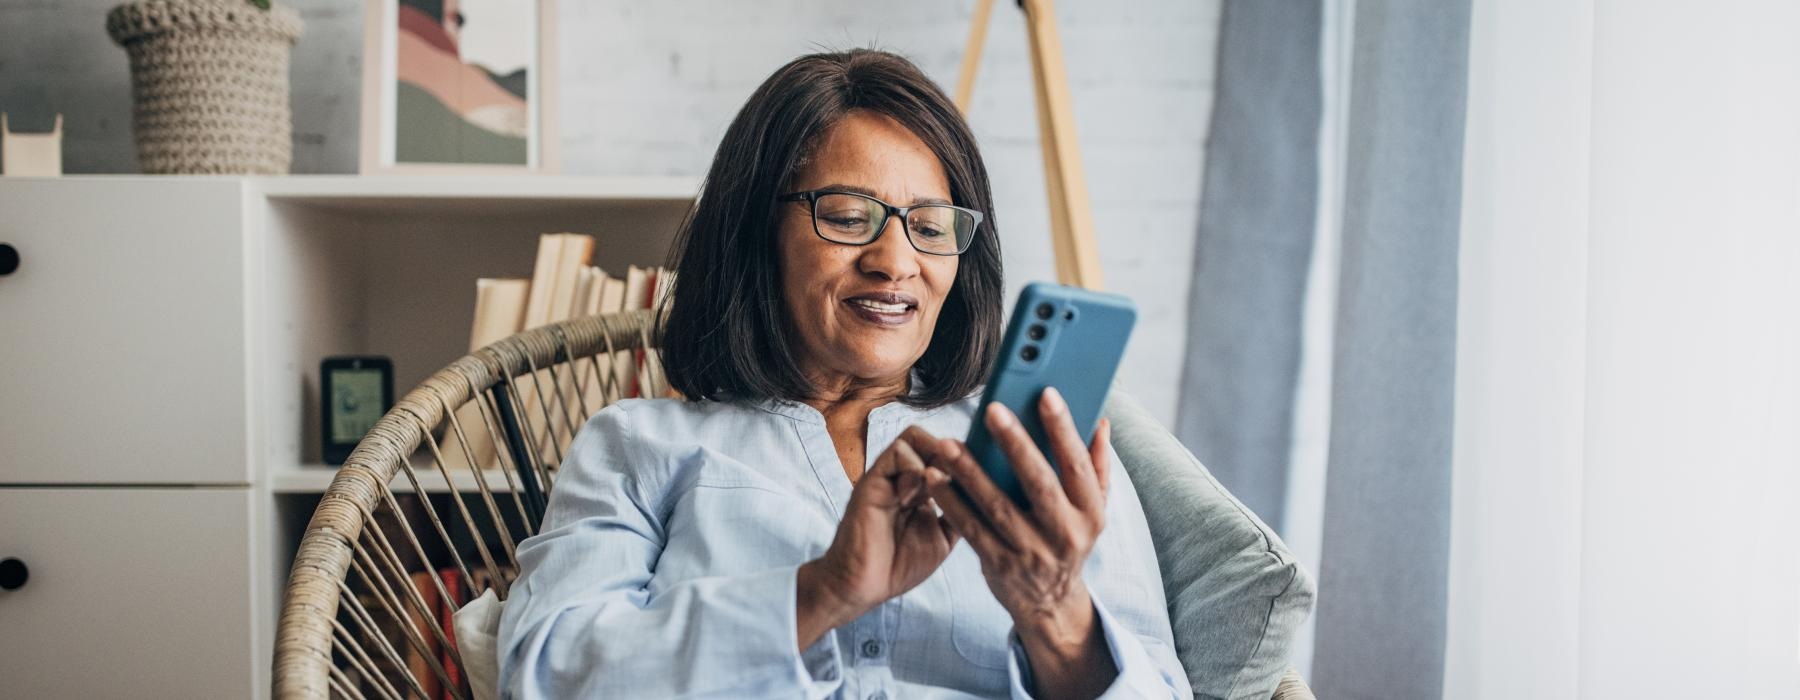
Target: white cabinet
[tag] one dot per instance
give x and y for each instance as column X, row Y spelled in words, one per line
column 141, row 593
column 159, row 352
column 123, row 332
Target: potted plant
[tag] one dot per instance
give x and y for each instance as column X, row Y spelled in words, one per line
column 209, row 83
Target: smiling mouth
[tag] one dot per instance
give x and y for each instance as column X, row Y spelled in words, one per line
column 886, row 309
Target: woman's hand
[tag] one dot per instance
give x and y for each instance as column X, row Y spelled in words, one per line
column 1032, row 559
column 891, row 538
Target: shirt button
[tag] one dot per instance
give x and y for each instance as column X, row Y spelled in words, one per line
column 871, row 649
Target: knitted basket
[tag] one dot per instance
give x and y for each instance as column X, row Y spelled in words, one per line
column 209, row 82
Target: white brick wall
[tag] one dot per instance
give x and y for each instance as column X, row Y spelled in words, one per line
column 648, row 88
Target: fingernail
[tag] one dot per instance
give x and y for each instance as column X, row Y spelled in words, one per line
column 951, row 451
column 1054, row 398
column 999, row 415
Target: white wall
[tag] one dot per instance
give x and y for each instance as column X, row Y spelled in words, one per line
column 1627, row 498
column 648, row 88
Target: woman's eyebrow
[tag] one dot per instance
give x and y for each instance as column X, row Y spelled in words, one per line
column 856, row 189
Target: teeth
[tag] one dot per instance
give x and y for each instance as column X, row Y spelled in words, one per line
column 879, row 307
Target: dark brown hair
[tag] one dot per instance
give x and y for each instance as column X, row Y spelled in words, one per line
column 725, row 332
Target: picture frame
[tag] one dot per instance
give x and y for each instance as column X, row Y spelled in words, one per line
column 445, row 95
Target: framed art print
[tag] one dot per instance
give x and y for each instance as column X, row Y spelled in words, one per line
column 459, row 86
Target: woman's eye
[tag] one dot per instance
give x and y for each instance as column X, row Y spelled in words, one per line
column 929, row 231
column 846, row 221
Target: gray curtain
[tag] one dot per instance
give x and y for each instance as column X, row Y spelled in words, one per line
column 1251, row 255
column 1383, row 577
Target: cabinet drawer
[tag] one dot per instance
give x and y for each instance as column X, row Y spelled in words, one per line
column 123, row 359
column 140, row 593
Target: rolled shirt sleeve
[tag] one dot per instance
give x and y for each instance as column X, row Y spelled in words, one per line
column 581, row 622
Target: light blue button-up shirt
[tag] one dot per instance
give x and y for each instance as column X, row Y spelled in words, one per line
column 666, row 567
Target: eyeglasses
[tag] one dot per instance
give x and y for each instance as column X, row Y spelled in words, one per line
column 855, row 219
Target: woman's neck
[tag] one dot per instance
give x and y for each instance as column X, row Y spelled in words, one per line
column 845, row 403
column 847, row 394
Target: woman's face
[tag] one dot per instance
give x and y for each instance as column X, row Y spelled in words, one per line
column 864, row 313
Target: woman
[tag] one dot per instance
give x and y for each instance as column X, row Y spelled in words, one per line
column 792, row 529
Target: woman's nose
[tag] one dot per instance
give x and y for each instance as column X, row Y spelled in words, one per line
column 891, row 255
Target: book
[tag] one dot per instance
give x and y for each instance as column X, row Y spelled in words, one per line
column 665, row 282
column 555, row 289
column 576, row 255
column 637, row 297
column 612, row 297
column 499, row 310
column 446, row 610
column 416, row 662
column 499, row 313
column 593, row 385
column 543, row 280
column 590, row 303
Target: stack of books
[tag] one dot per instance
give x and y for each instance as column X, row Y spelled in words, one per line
column 564, row 284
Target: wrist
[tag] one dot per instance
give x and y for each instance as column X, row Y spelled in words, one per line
column 1063, row 634
column 822, row 595
column 1067, row 649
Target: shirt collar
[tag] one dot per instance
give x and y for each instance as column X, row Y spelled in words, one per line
column 807, row 414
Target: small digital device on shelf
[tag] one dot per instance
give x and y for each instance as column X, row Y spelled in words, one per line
column 354, row 392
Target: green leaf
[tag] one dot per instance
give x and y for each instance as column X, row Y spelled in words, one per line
column 264, row 4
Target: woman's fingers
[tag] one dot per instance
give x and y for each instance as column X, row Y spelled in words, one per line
column 996, row 508
column 909, row 470
column 962, row 519
column 1101, row 458
column 1074, row 462
column 1035, row 476
column 922, row 443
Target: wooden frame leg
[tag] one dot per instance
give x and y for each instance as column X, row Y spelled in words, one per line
column 1071, row 218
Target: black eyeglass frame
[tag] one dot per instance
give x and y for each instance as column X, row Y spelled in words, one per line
column 811, row 197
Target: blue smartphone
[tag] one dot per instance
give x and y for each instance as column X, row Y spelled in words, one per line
column 1066, row 337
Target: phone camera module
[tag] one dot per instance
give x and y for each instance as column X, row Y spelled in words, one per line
column 1036, row 331
column 1029, row 353
column 1045, row 311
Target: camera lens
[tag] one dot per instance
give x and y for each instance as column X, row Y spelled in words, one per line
column 1035, row 332
column 1029, row 353
column 1045, row 311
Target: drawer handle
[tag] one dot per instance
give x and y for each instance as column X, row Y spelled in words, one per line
column 9, row 259
column 13, row 574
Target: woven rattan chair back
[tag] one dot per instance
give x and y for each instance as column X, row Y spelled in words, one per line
column 350, row 588
column 356, row 622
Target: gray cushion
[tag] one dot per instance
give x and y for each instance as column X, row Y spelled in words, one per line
column 1236, row 595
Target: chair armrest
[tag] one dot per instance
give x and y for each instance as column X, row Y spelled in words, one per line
column 1236, row 595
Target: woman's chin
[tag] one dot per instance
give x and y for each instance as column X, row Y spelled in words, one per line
column 875, row 363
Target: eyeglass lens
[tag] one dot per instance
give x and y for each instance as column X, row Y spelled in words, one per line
column 854, row 219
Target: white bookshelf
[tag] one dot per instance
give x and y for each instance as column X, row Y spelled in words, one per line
column 200, row 307
column 387, row 266
column 345, row 189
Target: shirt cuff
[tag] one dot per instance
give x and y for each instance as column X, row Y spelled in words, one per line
column 818, row 669
column 1139, row 676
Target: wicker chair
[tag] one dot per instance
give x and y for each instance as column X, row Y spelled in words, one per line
column 535, row 390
